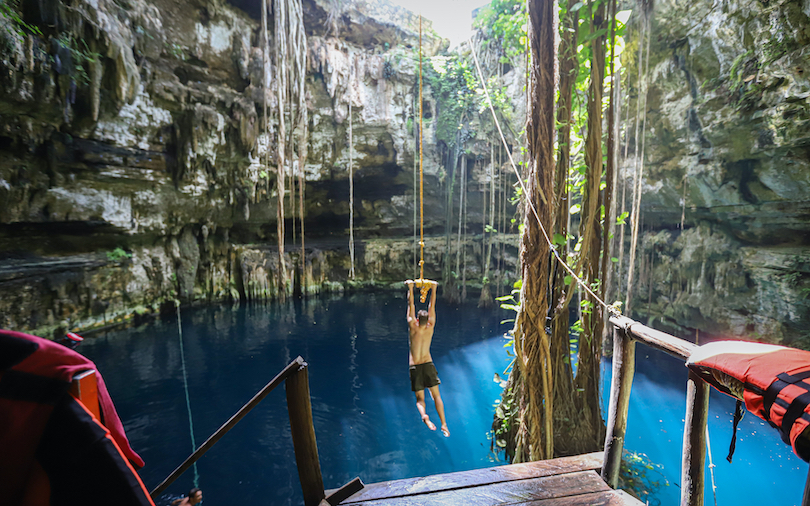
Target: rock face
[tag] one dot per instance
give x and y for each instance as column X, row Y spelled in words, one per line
column 132, row 157
column 727, row 146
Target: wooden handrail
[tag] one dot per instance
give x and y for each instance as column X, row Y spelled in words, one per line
column 299, row 407
column 662, row 341
column 292, row 368
column 697, row 406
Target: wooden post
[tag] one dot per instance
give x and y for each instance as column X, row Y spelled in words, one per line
column 624, row 358
column 694, row 441
column 303, row 435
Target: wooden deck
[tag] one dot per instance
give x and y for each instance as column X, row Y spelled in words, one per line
column 567, row 481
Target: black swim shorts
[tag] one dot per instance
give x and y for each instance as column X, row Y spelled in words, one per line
column 424, row 376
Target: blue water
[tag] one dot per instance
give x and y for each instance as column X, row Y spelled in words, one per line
column 365, row 418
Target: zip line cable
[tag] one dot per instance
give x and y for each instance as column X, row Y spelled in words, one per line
column 185, row 388
column 612, row 310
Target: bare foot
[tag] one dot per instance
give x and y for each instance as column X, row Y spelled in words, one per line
column 445, row 431
column 429, row 424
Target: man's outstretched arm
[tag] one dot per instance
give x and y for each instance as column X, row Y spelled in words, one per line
column 411, row 308
column 432, row 308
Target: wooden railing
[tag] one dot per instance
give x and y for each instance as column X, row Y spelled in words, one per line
column 299, row 408
column 693, row 456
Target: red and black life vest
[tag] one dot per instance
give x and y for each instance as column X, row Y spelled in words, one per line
column 53, row 451
column 775, row 383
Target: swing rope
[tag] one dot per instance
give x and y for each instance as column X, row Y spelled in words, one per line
column 424, row 286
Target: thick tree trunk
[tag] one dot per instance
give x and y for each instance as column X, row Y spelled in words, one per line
column 590, row 340
column 533, row 357
column 563, row 377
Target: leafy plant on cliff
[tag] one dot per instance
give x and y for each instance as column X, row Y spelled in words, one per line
column 453, row 82
column 504, row 21
column 14, row 23
column 80, row 56
column 118, row 255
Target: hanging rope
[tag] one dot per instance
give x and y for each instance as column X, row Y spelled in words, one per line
column 351, row 175
column 425, row 287
column 185, row 388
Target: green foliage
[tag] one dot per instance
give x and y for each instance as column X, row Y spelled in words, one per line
column 80, row 54
column 779, row 45
column 453, row 81
column 175, row 50
column 118, row 255
column 510, row 302
column 15, row 25
column 506, row 23
column 637, row 475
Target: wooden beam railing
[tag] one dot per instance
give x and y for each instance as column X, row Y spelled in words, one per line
column 299, row 408
column 626, row 333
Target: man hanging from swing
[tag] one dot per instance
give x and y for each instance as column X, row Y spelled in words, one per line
column 423, row 373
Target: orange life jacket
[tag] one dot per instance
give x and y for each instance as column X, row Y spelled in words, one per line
column 775, row 381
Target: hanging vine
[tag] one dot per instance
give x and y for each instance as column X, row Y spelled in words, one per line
column 290, row 63
column 641, row 103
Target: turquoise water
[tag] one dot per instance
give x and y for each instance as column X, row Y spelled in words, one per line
column 365, row 418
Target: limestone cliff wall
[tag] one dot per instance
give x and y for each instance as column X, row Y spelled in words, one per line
column 727, row 147
column 131, row 156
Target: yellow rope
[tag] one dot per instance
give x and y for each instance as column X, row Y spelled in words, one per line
column 425, row 288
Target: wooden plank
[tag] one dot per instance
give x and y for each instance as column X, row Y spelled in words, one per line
column 694, row 441
column 662, row 341
column 629, row 499
column 624, row 366
column 343, row 492
column 299, row 408
column 508, row 492
column 611, row 498
column 449, row 481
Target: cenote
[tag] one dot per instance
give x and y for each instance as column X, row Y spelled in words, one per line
column 364, row 415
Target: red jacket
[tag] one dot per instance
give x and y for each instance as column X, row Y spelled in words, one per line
column 53, row 450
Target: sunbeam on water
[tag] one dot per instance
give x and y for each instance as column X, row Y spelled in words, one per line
column 364, row 413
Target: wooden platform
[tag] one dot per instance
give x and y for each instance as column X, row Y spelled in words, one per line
column 567, row 481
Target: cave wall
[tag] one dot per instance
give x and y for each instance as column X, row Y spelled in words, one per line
column 131, row 158
column 727, row 148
